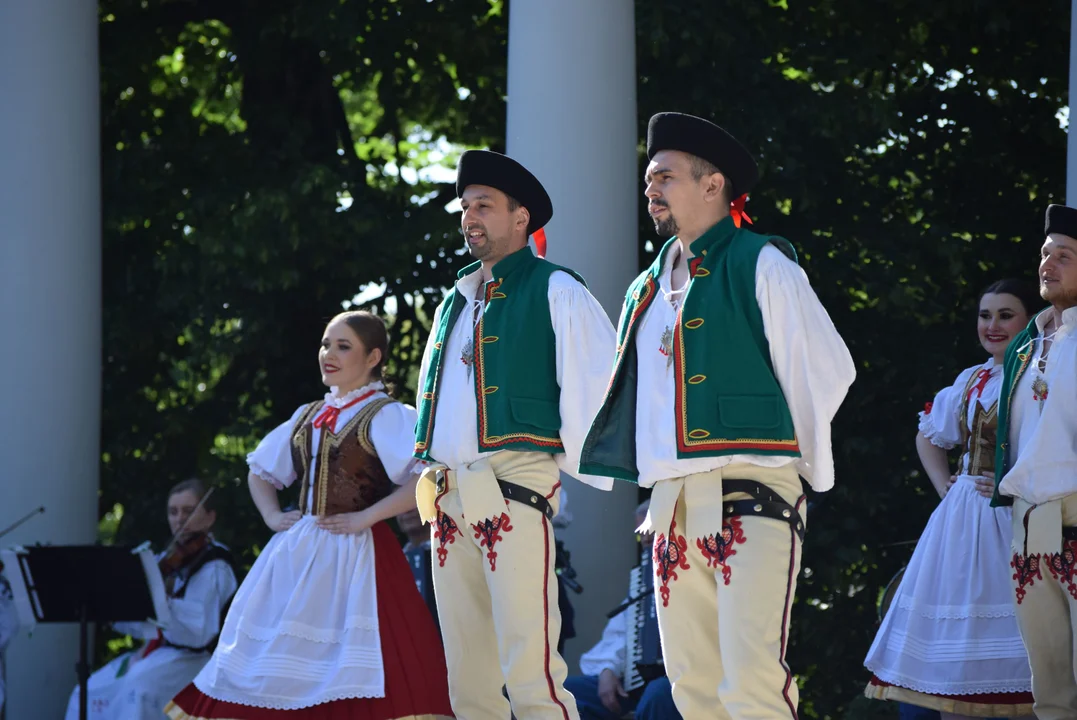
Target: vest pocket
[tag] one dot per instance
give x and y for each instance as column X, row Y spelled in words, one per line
column 537, row 413
column 749, row 411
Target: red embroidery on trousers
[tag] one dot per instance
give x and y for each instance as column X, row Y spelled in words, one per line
column 488, row 533
column 1026, row 572
column 719, row 549
column 445, row 534
column 669, row 556
column 1063, row 566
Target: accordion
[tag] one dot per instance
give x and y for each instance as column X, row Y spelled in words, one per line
column 643, row 652
column 423, row 572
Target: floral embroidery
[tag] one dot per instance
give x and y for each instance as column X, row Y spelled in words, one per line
column 669, row 556
column 719, row 549
column 1026, row 572
column 445, row 534
column 667, row 346
column 488, row 533
column 1063, row 566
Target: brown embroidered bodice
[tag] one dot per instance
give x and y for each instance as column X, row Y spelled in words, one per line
column 980, row 435
column 348, row 476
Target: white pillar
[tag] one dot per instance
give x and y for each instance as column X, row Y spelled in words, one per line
column 1071, row 143
column 572, row 122
column 50, row 309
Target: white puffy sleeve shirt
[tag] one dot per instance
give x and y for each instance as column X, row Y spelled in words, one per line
column 585, row 347
column 392, row 431
column 810, row 360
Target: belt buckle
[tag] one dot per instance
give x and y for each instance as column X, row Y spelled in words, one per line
column 441, row 481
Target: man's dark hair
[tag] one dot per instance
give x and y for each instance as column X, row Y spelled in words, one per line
column 700, row 167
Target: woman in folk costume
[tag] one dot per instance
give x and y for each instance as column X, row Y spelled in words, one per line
column 199, row 581
column 950, row 641
column 328, row 623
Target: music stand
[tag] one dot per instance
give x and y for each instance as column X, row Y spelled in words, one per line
column 84, row 584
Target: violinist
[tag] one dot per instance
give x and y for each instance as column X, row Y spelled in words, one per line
column 199, row 581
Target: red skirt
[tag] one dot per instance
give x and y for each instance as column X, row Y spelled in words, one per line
column 416, row 680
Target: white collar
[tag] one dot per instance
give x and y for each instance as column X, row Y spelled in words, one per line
column 333, row 398
column 1069, row 318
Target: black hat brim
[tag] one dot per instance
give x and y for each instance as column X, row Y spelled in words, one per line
column 484, row 167
column 704, row 139
column 1060, row 220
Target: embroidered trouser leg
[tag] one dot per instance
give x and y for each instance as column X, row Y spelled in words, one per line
column 497, row 594
column 1046, row 594
column 724, row 589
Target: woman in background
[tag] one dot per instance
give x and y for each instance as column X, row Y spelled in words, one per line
column 949, row 641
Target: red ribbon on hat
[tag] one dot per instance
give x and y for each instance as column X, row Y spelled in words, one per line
column 736, row 209
column 540, row 242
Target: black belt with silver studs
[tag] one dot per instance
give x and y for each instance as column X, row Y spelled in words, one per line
column 763, row 502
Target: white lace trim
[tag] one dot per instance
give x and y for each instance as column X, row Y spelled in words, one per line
column 988, row 687
column 308, row 632
column 264, row 474
column 358, row 692
column 928, row 429
column 333, row 398
column 955, row 612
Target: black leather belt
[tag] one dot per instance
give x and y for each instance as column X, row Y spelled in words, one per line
column 763, row 502
column 510, row 491
column 1069, row 533
column 527, row 496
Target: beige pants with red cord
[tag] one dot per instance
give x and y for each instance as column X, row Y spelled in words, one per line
column 724, row 591
column 1045, row 586
column 496, row 589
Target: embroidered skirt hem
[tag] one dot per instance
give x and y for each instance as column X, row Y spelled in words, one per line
column 1011, row 704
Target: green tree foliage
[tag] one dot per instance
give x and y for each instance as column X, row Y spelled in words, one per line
column 907, row 149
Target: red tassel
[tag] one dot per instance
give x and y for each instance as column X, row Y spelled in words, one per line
column 736, row 209
column 540, row 242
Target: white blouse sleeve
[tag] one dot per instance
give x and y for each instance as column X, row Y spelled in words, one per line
column 272, row 459
column 941, row 421
column 609, row 653
column 810, row 359
column 393, row 433
column 586, row 344
column 196, row 617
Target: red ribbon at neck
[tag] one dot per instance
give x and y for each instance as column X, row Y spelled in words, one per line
column 984, row 375
column 736, row 209
column 328, row 416
column 540, row 242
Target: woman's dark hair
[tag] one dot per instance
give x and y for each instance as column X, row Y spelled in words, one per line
column 372, row 332
column 198, row 488
column 1027, row 291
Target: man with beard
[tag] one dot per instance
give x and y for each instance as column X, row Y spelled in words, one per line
column 512, row 375
column 1037, row 424
column 728, row 374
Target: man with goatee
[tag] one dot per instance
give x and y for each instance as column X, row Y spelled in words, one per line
column 512, row 374
column 1037, row 458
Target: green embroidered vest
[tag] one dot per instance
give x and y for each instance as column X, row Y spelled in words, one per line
column 1018, row 355
column 727, row 400
column 517, row 395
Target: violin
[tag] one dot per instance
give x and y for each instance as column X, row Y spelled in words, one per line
column 183, row 551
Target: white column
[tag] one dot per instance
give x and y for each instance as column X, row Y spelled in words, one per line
column 50, row 309
column 1071, row 143
column 572, row 122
